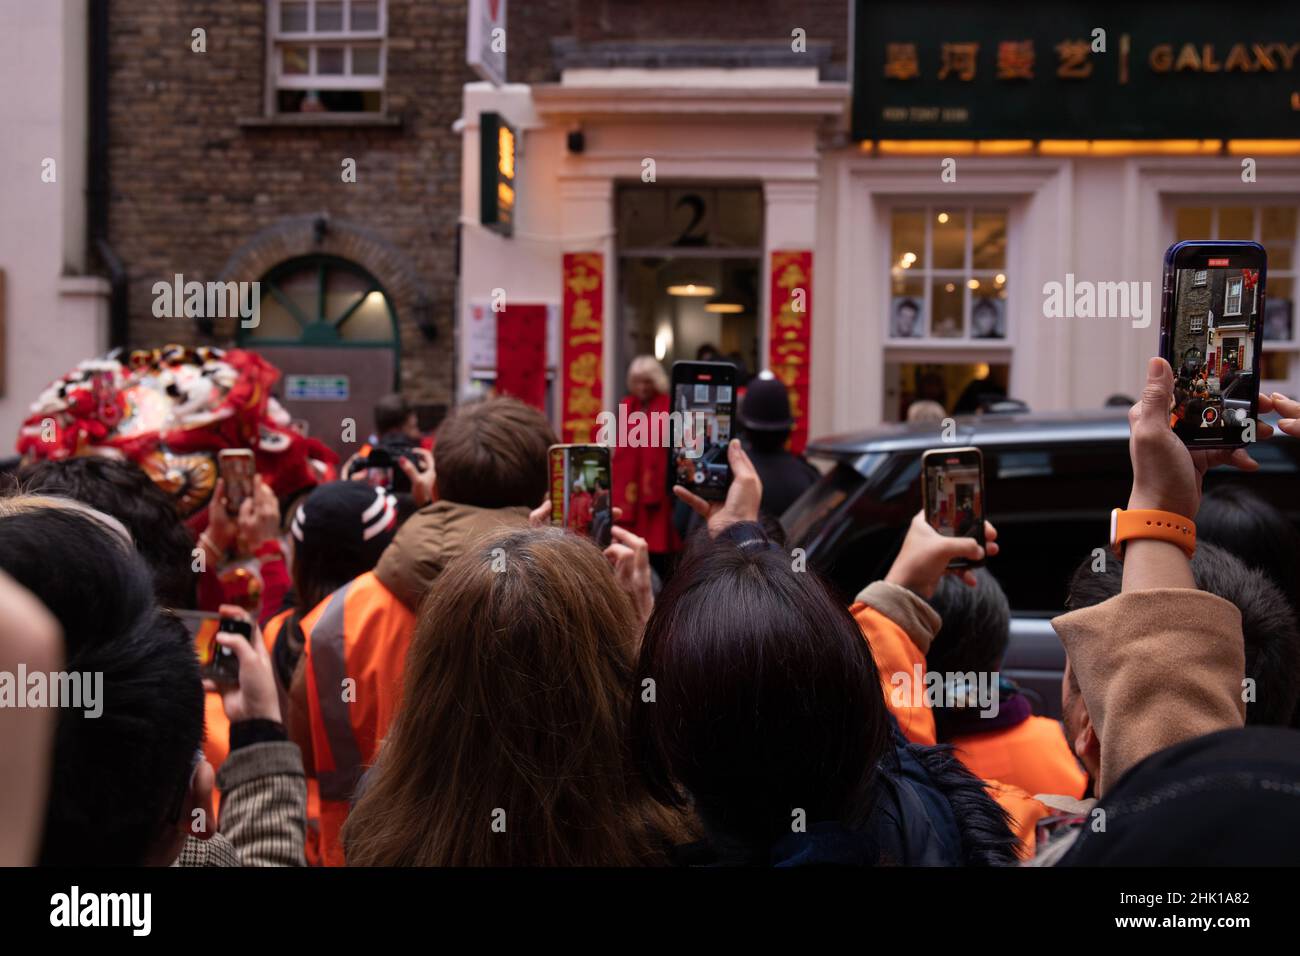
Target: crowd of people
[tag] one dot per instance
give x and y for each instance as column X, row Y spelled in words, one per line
column 451, row 681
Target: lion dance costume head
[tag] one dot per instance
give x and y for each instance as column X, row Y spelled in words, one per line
column 171, row 410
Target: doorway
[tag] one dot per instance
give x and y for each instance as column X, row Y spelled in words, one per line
column 690, row 266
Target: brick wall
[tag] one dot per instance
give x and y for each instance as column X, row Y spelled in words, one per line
column 194, row 190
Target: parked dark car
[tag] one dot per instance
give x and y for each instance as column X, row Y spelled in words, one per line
column 1051, row 482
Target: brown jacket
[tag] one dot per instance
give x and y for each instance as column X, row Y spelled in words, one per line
column 1155, row 668
column 431, row 538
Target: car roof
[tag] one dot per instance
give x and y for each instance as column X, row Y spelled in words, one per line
column 1104, row 425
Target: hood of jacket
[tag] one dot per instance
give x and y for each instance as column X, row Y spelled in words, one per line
column 431, row 538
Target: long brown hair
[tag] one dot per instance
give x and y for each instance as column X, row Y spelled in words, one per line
column 510, row 744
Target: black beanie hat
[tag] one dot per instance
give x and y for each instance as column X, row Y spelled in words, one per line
column 345, row 525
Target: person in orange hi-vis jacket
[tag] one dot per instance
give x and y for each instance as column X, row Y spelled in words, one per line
column 900, row 625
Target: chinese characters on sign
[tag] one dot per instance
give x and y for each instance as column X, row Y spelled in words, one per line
column 582, row 355
column 497, row 150
column 1015, row 60
column 790, row 339
column 1066, row 69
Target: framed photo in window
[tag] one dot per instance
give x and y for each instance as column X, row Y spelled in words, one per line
column 906, row 318
column 988, row 317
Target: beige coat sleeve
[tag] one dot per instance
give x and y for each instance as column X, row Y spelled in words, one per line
column 1155, row 668
column 908, row 610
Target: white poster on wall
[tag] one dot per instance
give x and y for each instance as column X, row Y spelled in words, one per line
column 481, row 338
column 485, row 41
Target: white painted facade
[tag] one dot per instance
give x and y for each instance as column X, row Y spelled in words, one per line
column 55, row 315
column 1102, row 218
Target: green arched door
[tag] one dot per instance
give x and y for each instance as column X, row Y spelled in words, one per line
column 331, row 329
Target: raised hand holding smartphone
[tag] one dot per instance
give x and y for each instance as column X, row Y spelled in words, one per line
column 952, row 492
column 1212, row 335
column 580, row 491
column 700, row 427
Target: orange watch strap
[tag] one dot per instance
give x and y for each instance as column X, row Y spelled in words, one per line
column 1155, row 525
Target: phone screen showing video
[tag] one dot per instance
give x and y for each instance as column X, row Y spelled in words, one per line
column 704, row 406
column 238, row 469
column 954, row 496
column 580, row 491
column 1212, row 342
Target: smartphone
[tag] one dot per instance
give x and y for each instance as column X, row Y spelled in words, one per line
column 952, row 491
column 1211, row 333
column 216, row 663
column 238, row 471
column 703, row 409
column 380, row 468
column 580, row 491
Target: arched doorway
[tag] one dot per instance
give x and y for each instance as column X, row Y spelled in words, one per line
column 330, row 327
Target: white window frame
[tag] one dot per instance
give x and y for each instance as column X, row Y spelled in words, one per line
column 1200, row 277
column 348, row 40
column 928, row 274
column 1215, row 204
column 1228, row 296
column 1197, row 324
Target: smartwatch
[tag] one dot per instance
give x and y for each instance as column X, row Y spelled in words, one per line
column 1151, row 524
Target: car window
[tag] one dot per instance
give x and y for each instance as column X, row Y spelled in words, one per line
column 1051, row 506
column 1242, row 386
column 805, row 517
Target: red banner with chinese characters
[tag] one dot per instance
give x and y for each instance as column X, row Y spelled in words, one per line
column 582, row 354
column 521, row 353
column 790, row 338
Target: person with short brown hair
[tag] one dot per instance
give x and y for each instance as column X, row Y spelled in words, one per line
column 489, row 471
column 492, row 454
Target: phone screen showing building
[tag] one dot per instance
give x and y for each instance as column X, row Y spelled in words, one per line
column 952, row 496
column 703, row 412
column 1212, row 351
column 580, row 491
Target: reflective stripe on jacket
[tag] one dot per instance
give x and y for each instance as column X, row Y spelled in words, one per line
column 355, row 648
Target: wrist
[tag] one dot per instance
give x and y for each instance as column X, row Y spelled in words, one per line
column 256, row 730
column 903, row 579
column 209, row 542
column 1152, row 564
column 1142, row 501
column 219, row 537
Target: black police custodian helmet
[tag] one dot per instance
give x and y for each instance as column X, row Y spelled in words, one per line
column 766, row 405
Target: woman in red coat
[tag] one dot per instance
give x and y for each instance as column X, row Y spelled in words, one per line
column 641, row 472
